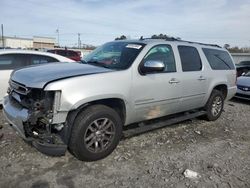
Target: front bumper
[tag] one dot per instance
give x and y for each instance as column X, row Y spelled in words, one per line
column 16, row 115
column 242, row 94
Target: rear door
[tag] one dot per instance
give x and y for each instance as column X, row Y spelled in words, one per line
column 193, row 79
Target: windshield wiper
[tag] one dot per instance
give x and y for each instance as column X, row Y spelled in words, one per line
column 97, row 63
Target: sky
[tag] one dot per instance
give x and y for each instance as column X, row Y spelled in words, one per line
column 99, row 21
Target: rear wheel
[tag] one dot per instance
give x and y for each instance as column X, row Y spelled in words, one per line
column 96, row 133
column 214, row 105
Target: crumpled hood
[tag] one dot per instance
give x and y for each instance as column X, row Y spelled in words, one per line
column 243, row 81
column 39, row 76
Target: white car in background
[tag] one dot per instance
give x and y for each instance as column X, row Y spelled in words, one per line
column 14, row 59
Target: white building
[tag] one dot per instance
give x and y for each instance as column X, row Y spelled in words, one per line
column 238, row 57
column 27, row 43
column 16, row 42
column 43, row 42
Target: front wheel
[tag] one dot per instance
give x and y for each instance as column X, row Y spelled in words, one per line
column 96, row 133
column 214, row 105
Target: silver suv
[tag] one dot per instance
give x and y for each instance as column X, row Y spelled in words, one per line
column 86, row 106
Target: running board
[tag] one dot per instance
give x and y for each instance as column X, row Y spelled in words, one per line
column 145, row 128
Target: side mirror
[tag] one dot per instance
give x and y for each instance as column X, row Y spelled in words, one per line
column 152, row 67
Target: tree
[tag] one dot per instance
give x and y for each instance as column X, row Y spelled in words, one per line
column 164, row 36
column 227, row 46
column 123, row 37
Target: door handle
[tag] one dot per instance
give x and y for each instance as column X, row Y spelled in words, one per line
column 201, row 78
column 174, row 81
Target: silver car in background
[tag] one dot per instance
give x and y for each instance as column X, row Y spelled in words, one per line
column 243, row 86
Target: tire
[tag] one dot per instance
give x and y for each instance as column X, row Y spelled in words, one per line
column 96, row 132
column 214, row 106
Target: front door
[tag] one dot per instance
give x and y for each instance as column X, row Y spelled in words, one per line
column 157, row 94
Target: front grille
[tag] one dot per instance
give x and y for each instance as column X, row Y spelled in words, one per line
column 243, row 88
column 18, row 88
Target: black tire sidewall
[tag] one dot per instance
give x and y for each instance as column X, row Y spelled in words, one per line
column 210, row 116
column 83, row 120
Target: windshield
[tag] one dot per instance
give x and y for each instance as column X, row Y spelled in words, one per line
column 114, row 55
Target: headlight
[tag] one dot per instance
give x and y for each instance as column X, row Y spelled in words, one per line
column 57, row 101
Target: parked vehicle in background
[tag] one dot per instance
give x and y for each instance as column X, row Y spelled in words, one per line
column 14, row 59
column 242, row 67
column 71, row 54
column 85, row 106
column 243, row 86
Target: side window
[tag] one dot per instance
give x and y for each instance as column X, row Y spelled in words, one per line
column 12, row 61
column 218, row 59
column 72, row 53
column 190, row 58
column 62, row 52
column 163, row 53
column 40, row 59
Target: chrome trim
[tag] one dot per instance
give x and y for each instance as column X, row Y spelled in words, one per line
column 154, row 64
column 18, row 88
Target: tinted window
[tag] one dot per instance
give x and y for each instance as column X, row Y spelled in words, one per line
column 12, row 61
column 218, row 59
column 190, row 58
column 72, row 53
column 61, row 52
column 40, row 59
column 163, row 53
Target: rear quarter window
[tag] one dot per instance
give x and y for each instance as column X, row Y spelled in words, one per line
column 218, row 59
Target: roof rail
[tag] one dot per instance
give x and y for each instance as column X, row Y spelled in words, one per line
column 214, row 45
column 179, row 40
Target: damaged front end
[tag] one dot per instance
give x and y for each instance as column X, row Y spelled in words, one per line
column 30, row 112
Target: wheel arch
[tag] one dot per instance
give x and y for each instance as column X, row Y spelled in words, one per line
column 117, row 104
column 222, row 88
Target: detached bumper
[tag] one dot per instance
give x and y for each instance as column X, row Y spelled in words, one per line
column 16, row 115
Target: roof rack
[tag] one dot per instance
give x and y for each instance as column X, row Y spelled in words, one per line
column 168, row 39
column 179, row 40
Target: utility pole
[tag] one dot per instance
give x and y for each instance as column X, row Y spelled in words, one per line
column 2, row 35
column 57, row 31
column 79, row 40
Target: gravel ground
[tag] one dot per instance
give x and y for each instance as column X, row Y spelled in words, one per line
column 219, row 151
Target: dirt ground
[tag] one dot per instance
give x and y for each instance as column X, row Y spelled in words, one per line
column 219, row 151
